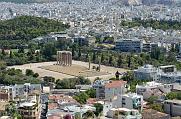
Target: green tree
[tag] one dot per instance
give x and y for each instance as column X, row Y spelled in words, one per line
column 88, row 115
column 120, row 61
column 29, row 72
column 102, row 58
column 12, row 111
column 81, row 98
column 77, row 115
column 2, row 65
column 49, row 50
column 173, row 95
column 11, row 55
column 3, row 52
column 17, row 116
column 29, row 27
column 157, row 107
column 21, row 50
column 49, row 79
column 73, row 51
column 36, row 75
column 94, row 57
column 71, row 82
column 155, row 53
column 135, row 82
column 79, row 54
column 99, row 109
column 129, row 61
column 91, row 93
column 152, row 99
column 110, row 59
column 129, row 76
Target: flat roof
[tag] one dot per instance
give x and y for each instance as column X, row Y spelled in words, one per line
column 123, row 109
column 27, row 104
column 174, row 101
column 167, row 66
column 132, row 95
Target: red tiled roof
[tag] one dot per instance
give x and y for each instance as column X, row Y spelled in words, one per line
column 59, row 97
column 115, row 84
column 53, row 117
column 91, row 100
column 52, row 106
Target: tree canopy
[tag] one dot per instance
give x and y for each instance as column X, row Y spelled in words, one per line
column 99, row 109
column 174, row 95
column 69, row 83
column 162, row 24
column 29, row 27
column 15, row 76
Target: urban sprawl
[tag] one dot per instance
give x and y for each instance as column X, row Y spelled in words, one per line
column 90, row 59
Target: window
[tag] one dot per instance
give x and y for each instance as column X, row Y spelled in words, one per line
column 26, row 113
column 123, row 101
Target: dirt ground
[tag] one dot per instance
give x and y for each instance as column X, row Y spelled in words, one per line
column 74, row 70
column 78, row 66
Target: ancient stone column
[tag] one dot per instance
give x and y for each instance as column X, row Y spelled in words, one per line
column 64, row 58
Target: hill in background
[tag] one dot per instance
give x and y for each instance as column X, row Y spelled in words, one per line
column 29, row 27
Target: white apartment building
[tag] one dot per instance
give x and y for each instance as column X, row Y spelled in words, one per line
column 109, row 89
column 31, row 108
column 18, row 90
column 114, row 88
column 146, row 72
column 129, row 45
column 163, row 74
column 171, row 77
column 130, row 101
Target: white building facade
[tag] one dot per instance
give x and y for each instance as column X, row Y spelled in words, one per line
column 146, row 72
column 129, row 45
column 129, row 101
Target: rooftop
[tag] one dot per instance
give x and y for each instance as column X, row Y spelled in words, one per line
column 167, row 66
column 173, row 101
column 52, row 106
column 123, row 109
column 149, row 84
column 27, row 104
column 153, row 114
column 147, row 68
column 133, row 39
column 132, row 95
column 115, row 84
